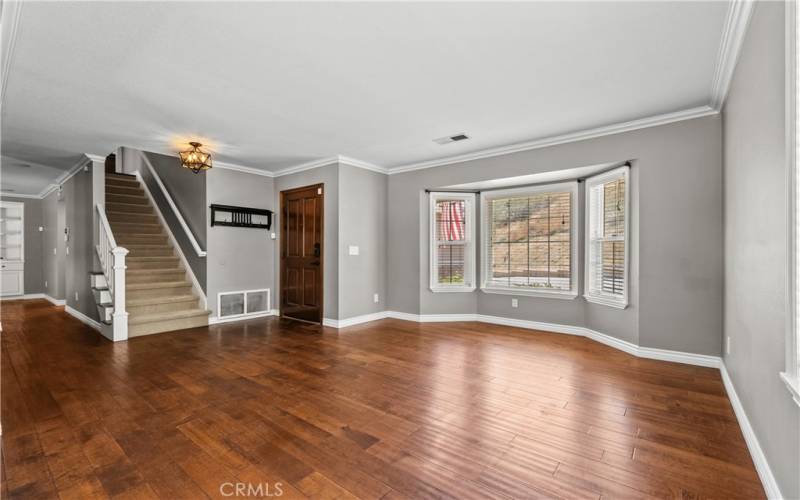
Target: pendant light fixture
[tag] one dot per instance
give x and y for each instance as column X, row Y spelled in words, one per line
column 195, row 159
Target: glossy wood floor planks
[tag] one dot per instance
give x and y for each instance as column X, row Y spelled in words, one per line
column 388, row 409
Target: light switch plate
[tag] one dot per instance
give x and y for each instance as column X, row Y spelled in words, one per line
column 514, row 302
column 376, row 298
column 352, row 250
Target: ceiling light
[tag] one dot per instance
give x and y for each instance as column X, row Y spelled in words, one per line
column 195, row 159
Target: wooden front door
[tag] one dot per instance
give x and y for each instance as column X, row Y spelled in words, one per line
column 301, row 253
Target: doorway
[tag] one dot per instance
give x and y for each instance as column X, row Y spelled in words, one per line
column 302, row 247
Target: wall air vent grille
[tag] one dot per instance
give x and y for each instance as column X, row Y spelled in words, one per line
column 451, row 138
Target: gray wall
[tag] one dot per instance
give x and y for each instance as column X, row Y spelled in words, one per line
column 79, row 262
column 676, row 288
column 33, row 243
column 362, row 222
column 328, row 175
column 187, row 190
column 756, row 243
column 239, row 258
column 53, row 269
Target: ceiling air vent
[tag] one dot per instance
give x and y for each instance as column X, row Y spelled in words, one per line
column 451, row 138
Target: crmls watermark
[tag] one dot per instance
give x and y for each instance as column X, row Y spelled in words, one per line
column 251, row 489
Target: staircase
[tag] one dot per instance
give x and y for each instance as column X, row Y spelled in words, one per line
column 159, row 298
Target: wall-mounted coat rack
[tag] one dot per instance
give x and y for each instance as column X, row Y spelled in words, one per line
column 229, row 215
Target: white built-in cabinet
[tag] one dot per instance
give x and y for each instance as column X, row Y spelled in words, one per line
column 12, row 248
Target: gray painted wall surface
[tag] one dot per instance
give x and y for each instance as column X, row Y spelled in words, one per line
column 755, row 243
column 676, row 183
column 182, row 185
column 239, row 258
column 329, row 175
column 80, row 261
column 54, row 220
column 33, row 280
column 187, row 189
column 362, row 222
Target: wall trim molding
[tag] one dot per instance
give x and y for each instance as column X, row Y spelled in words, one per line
column 582, row 135
column 763, row 469
column 9, row 194
column 354, row 320
column 54, row 301
column 83, row 318
column 12, row 13
column 215, row 320
column 242, row 168
column 733, row 33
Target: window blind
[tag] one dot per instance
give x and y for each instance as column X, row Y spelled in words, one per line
column 607, row 207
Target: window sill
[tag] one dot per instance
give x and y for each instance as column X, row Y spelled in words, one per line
column 793, row 384
column 455, row 289
column 605, row 301
column 565, row 295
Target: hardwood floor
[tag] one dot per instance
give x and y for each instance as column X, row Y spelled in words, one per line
column 388, row 409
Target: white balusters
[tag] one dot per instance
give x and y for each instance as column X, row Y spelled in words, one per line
column 112, row 262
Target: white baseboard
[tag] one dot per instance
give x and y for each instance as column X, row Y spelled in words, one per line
column 84, row 318
column 355, row 320
column 32, row 296
column 214, row 320
column 756, row 453
column 55, row 302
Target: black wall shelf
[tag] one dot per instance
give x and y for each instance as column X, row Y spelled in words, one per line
column 229, row 215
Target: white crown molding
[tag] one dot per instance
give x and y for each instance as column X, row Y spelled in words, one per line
column 617, row 128
column 96, row 158
column 9, row 26
column 308, row 166
column 7, row 194
column 733, row 34
column 353, row 162
column 763, row 469
column 242, row 168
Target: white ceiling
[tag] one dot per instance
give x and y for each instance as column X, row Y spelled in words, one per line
column 272, row 85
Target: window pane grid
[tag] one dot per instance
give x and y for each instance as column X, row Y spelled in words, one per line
column 607, row 235
column 450, row 266
column 530, row 241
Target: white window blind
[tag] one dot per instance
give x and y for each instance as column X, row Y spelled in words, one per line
column 452, row 242
column 607, row 208
column 529, row 240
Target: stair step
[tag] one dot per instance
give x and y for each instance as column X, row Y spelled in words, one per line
column 167, row 322
column 141, row 239
column 155, row 305
column 150, row 250
column 134, row 217
column 120, row 176
column 135, row 227
column 129, row 208
column 133, row 190
column 135, row 291
column 159, row 277
column 127, row 198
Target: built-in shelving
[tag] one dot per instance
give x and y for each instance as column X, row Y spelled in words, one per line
column 12, row 248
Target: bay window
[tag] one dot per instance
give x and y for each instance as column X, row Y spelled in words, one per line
column 607, row 238
column 529, row 244
column 452, row 242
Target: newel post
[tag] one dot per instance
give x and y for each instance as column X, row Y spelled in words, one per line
column 120, row 318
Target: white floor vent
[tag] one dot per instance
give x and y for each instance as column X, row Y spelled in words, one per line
column 243, row 303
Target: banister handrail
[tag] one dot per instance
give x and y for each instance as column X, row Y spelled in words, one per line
column 101, row 212
column 199, row 251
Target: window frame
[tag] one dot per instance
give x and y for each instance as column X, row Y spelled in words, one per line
column 469, row 244
column 791, row 375
column 486, row 196
column 589, row 295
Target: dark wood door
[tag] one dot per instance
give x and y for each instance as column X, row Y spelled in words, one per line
column 301, row 253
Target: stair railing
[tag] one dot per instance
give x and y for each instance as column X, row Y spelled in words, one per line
column 112, row 261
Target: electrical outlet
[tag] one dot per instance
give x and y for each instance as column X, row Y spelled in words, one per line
column 45, row 283
column 728, row 344
column 67, row 250
column 514, row 303
column 376, row 298
column 76, row 297
column 55, row 251
column 353, row 250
